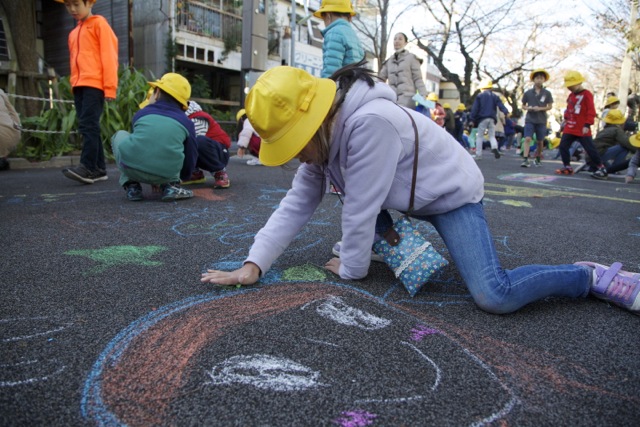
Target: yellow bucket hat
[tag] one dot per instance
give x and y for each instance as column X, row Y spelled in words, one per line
column 432, row 97
column 286, row 106
column 486, row 84
column 176, row 86
column 338, row 6
column 614, row 117
column 541, row 71
column 611, row 100
column 572, row 78
column 145, row 102
column 461, row 107
column 240, row 113
column 635, row 140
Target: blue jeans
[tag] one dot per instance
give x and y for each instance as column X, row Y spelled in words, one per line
column 615, row 158
column 466, row 233
column 89, row 104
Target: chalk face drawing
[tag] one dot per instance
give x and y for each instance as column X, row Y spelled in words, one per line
column 115, row 256
column 274, row 354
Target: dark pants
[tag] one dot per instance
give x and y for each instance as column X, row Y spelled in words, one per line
column 89, row 104
column 212, row 155
column 586, row 142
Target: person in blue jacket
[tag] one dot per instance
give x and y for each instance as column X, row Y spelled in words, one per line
column 484, row 116
column 341, row 45
column 351, row 129
column 162, row 148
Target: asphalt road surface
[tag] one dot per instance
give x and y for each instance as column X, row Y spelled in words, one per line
column 104, row 321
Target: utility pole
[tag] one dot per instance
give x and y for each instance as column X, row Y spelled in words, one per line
column 625, row 70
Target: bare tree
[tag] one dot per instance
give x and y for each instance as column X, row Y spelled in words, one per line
column 22, row 23
column 374, row 23
column 474, row 33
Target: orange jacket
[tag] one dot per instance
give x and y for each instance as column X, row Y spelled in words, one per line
column 93, row 49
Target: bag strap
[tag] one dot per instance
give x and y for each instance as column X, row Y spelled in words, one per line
column 415, row 161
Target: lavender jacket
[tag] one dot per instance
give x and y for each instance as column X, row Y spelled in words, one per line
column 371, row 160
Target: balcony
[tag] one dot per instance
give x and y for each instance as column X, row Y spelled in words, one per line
column 220, row 19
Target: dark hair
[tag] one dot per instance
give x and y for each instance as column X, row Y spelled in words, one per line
column 346, row 76
column 540, row 73
column 166, row 97
column 406, row 39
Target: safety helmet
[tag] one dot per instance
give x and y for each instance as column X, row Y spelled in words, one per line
column 614, row 117
column 572, row 78
column 539, row 71
column 176, row 86
column 486, row 84
column 338, row 6
column 611, row 100
column 446, row 105
column 432, row 97
column 286, row 107
column 240, row 113
column 461, row 107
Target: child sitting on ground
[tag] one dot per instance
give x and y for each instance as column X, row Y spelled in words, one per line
column 213, row 148
column 162, row 148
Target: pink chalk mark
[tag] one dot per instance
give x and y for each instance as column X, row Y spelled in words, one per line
column 421, row 331
column 355, row 419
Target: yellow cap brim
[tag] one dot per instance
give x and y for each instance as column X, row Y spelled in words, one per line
column 635, row 140
column 285, row 148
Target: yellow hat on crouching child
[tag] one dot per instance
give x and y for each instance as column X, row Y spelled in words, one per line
column 614, row 117
column 175, row 85
column 635, row 140
column 338, row 6
column 286, row 106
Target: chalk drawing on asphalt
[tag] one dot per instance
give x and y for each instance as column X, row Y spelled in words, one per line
column 24, row 345
column 269, row 346
column 116, row 256
column 265, row 372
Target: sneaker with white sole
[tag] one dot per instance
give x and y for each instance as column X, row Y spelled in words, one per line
column 374, row 256
column 173, row 191
column 615, row 285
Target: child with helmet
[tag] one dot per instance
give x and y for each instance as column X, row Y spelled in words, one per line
column 351, row 129
column 341, row 45
column 536, row 102
column 162, row 148
column 578, row 119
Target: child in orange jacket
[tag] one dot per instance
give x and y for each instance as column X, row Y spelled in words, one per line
column 93, row 49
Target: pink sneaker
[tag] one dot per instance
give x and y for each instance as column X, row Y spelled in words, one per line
column 221, row 179
column 616, row 285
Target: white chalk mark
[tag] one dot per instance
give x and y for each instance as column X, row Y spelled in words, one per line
column 39, row 334
column 31, row 380
column 321, row 342
column 434, row 386
column 265, row 372
column 13, row 365
column 334, row 308
column 507, row 407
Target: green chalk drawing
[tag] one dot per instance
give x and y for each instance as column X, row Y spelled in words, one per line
column 113, row 256
column 306, row 272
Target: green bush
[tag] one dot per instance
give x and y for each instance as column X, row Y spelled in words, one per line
column 53, row 132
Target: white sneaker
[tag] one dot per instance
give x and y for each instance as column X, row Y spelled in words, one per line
column 254, row 162
column 374, row 256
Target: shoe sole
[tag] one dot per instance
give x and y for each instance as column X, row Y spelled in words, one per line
column 222, row 186
column 197, row 181
column 601, row 178
column 101, row 178
column 74, row 176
